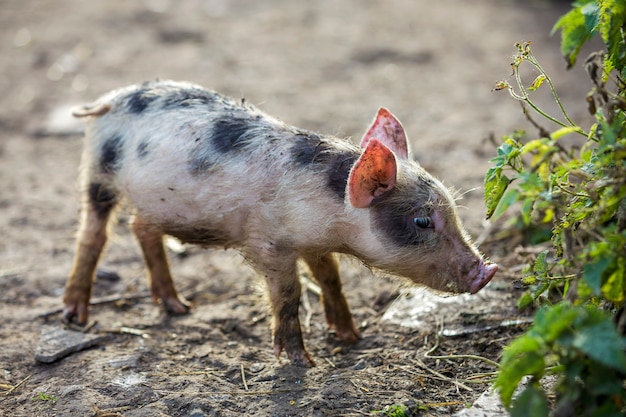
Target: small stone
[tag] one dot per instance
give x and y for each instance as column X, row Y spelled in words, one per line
column 107, row 275
column 56, row 343
column 257, row 367
column 70, row 389
column 361, row 364
column 128, row 361
column 197, row 413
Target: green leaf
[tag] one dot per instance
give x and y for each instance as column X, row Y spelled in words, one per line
column 537, row 82
column 613, row 288
column 524, row 356
column 532, row 146
column 524, row 301
column 604, row 381
column 573, row 34
column 602, row 343
column 591, row 13
column 513, row 369
column 559, row 133
column 527, row 209
column 509, row 198
column 554, row 322
column 612, row 21
column 531, row 402
column 594, row 270
column 541, row 265
column 496, row 184
column 608, row 409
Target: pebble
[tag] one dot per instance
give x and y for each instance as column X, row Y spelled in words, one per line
column 56, row 343
column 127, row 361
column 257, row 367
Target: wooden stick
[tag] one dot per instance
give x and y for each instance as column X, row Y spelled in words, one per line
column 243, row 377
column 6, row 394
column 102, row 300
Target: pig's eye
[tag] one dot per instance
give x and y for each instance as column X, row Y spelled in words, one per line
column 422, row 222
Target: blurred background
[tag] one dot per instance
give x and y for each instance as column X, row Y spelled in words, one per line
column 324, row 65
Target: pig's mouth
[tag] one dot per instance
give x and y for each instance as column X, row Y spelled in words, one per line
column 484, row 275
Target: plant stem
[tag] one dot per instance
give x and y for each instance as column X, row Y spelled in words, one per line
column 533, row 61
column 526, row 98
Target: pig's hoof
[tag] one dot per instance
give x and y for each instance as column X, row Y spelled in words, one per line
column 301, row 359
column 76, row 313
column 176, row 305
column 76, row 308
column 349, row 335
column 297, row 357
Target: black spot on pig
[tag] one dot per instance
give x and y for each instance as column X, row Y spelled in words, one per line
column 312, row 151
column 198, row 235
column 101, row 198
column 200, row 163
column 309, row 148
column 338, row 173
column 187, row 97
column 139, row 100
column 394, row 214
column 111, row 154
column 229, row 133
column 142, row 150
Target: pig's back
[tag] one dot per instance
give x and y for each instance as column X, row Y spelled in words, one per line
column 201, row 165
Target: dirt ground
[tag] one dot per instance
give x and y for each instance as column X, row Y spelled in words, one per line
column 324, row 65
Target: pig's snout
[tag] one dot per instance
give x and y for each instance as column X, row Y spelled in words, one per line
column 484, row 273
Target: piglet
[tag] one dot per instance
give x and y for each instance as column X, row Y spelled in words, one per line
column 208, row 170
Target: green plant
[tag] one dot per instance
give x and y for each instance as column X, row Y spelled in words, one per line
column 394, row 410
column 42, row 396
column 575, row 197
column 580, row 345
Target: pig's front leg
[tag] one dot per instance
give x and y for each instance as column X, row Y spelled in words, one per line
column 159, row 276
column 326, row 273
column 279, row 269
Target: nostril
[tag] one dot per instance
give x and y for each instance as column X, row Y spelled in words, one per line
column 485, row 274
column 491, row 270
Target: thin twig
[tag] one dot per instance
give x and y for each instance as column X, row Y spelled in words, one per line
column 186, row 373
column 127, row 330
column 531, row 58
column 306, row 305
column 441, row 376
column 239, row 392
column 22, row 382
column 102, row 300
column 472, row 357
column 309, row 285
column 543, row 132
column 110, row 412
column 524, row 97
column 243, row 377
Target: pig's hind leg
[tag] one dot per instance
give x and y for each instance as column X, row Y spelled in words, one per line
column 326, row 273
column 96, row 209
column 159, row 277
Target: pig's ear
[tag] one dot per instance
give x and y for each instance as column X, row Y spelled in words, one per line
column 372, row 175
column 389, row 131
